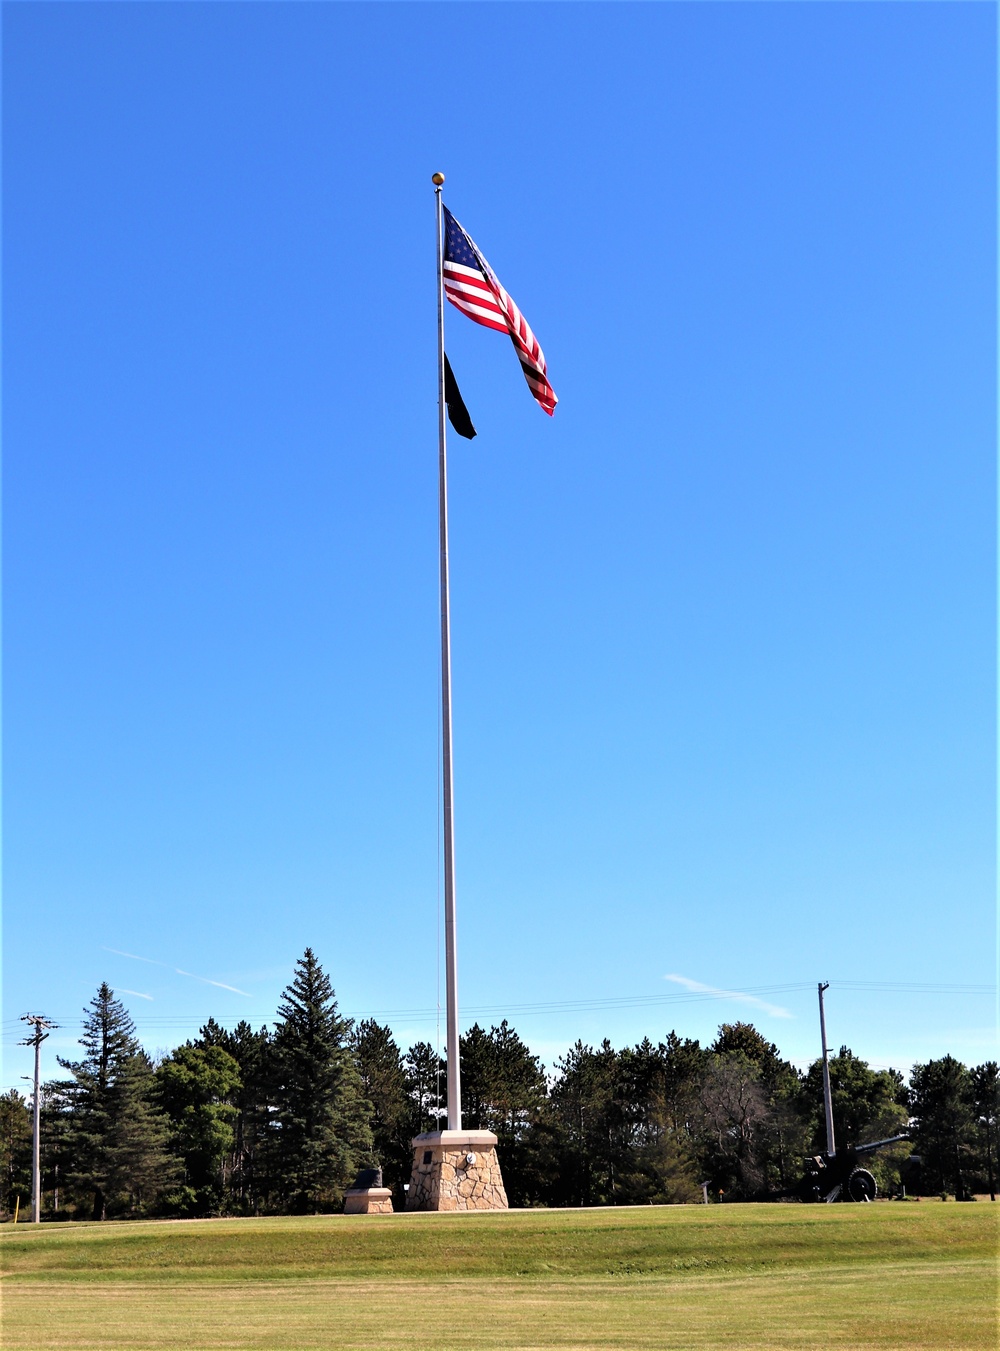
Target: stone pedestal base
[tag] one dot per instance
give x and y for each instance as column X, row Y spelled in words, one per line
column 456, row 1170
column 368, row 1201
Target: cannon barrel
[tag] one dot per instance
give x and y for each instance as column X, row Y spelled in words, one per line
column 881, row 1144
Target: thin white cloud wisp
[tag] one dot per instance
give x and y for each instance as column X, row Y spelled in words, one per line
column 696, row 987
column 217, row 983
column 150, row 961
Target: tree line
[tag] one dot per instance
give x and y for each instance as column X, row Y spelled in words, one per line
column 277, row 1121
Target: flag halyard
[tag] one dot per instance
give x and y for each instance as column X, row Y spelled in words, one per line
column 473, row 287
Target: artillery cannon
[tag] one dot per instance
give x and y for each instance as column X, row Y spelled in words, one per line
column 840, row 1176
column 837, row 1174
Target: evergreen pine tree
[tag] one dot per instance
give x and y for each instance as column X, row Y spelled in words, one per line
column 426, row 1085
column 116, row 1134
column 503, row 1090
column 249, row 1183
column 324, row 1131
column 383, row 1079
column 56, row 1160
column 942, row 1098
column 140, row 1164
column 15, row 1150
column 986, row 1109
column 587, row 1105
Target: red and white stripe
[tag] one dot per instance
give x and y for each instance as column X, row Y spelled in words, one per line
column 479, row 294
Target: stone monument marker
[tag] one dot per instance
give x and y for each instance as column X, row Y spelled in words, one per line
column 456, row 1170
column 368, row 1196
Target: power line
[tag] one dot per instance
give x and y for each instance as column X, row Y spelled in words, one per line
column 153, row 1023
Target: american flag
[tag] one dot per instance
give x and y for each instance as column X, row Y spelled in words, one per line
column 471, row 285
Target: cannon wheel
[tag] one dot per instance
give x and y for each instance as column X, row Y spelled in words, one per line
column 861, row 1186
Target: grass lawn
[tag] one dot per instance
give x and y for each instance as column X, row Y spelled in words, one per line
column 888, row 1275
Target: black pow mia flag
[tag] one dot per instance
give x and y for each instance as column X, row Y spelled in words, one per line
column 458, row 414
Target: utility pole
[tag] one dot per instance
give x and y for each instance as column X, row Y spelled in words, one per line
column 831, row 1148
column 40, row 1026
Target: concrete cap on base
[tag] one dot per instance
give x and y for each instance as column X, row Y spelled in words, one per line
column 454, row 1140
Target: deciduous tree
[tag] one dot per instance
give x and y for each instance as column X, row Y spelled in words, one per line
column 197, row 1086
column 734, row 1116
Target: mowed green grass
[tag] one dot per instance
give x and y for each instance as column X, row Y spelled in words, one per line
column 894, row 1276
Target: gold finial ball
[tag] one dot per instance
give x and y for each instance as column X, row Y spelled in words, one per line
column 437, row 179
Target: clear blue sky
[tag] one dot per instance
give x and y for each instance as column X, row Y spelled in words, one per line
column 723, row 627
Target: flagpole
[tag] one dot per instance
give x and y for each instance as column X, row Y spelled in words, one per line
column 450, row 948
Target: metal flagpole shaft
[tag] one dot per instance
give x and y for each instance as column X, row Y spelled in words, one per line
column 827, row 1098
column 450, row 950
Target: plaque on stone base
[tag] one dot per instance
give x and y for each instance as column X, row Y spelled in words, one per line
column 368, row 1196
column 371, row 1201
column 456, row 1170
